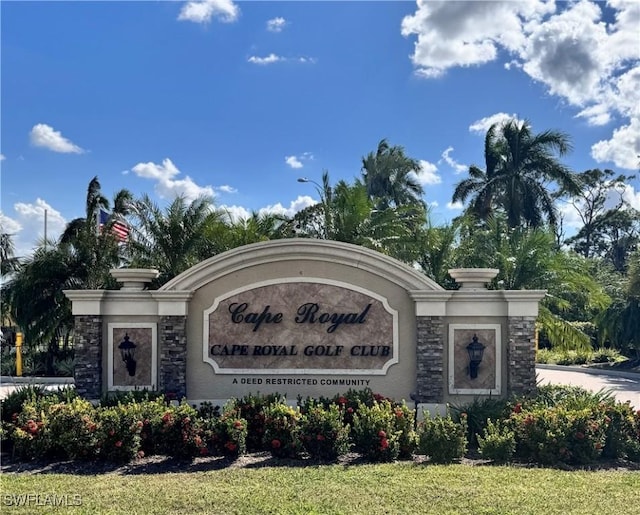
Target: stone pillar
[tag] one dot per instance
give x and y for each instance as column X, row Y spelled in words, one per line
column 430, row 359
column 87, row 372
column 172, row 347
column 521, row 355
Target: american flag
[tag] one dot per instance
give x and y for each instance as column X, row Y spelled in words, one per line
column 119, row 229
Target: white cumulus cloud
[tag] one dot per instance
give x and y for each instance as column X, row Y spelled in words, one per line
column 428, row 174
column 225, row 188
column 589, row 62
column 300, row 203
column 456, row 206
column 293, row 162
column 623, row 148
column 43, row 135
column 276, row 24
column 482, row 125
column 167, row 184
column 270, row 59
column 27, row 226
column 2, row 158
column 202, row 12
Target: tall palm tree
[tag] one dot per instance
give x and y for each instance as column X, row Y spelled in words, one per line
column 529, row 259
column 390, row 177
column 97, row 250
column 521, row 170
column 171, row 240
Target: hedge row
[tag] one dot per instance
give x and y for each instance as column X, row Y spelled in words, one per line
column 561, row 424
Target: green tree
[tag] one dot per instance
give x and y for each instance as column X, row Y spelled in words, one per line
column 170, row 240
column 390, row 177
column 521, row 168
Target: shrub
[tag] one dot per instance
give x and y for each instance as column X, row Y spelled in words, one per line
column 553, row 435
column 282, row 430
column 374, row 431
column 252, row 409
column 623, row 431
column 74, row 428
column 11, row 405
column 323, row 434
column 226, row 435
column 443, row 439
column 478, row 413
column 571, row 397
column 131, row 396
column 498, row 442
column 119, row 432
column 30, row 431
column 178, row 432
column 404, row 423
column 605, row 355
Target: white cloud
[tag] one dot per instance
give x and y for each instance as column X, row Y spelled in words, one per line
column 202, row 12
column 456, row 206
column 225, row 188
column 293, row 162
column 297, row 162
column 167, row 186
column 263, row 61
column 276, row 24
column 623, row 148
column 446, row 157
column 43, row 135
column 565, row 46
column 482, row 125
column 2, row 158
column 273, row 58
column 235, row 213
column 27, row 227
column 300, row 203
column 428, row 174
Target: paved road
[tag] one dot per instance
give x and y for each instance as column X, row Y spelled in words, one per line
column 625, row 388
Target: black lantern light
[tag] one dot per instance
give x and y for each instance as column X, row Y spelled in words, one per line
column 128, row 352
column 475, row 350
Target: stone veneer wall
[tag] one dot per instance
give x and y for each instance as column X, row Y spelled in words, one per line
column 87, row 372
column 172, row 348
column 430, row 359
column 521, row 355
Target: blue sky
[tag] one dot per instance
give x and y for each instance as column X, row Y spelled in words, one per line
column 238, row 99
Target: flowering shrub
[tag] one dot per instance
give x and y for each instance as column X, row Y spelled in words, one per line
column 30, row 430
column 498, row 442
column 227, row 435
column 323, row 434
column 74, row 428
column 119, row 432
column 623, row 431
column 252, row 409
column 552, row 435
column 282, row 431
column 404, row 422
column 443, row 439
column 374, row 431
column 178, row 432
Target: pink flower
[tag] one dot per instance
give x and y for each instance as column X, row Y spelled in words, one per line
column 384, row 444
column 342, row 400
column 580, row 435
column 349, row 410
column 320, row 438
column 237, row 424
column 275, row 444
column 517, row 408
column 382, row 434
column 118, row 443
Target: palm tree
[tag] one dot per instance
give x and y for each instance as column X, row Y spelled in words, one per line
column 520, row 169
column 97, row 250
column 172, row 240
column 390, row 177
column 529, row 259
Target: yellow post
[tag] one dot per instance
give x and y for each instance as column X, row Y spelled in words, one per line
column 19, row 354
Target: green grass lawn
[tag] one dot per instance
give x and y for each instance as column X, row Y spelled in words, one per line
column 367, row 489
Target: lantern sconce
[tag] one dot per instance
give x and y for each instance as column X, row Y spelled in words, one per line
column 128, row 352
column 475, row 350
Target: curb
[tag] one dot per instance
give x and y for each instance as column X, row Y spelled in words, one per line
column 592, row 371
column 13, row 380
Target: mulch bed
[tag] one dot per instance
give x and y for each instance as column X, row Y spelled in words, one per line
column 164, row 464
